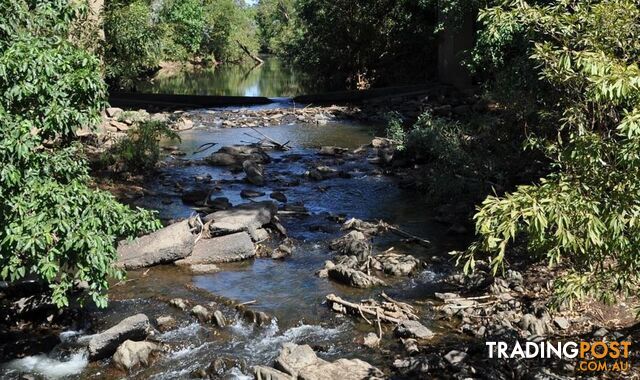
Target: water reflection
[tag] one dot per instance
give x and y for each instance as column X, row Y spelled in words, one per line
column 271, row 79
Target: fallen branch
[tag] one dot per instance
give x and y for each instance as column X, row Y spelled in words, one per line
column 274, row 142
column 399, row 232
column 202, row 148
column 370, row 310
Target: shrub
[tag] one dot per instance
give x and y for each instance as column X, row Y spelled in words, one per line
column 139, row 151
column 54, row 226
column 587, row 212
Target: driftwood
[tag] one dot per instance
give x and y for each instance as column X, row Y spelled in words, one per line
column 389, row 312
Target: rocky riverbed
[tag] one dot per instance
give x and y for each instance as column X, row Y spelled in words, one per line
column 291, row 252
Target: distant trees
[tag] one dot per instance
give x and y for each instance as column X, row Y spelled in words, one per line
column 54, row 227
column 354, row 43
column 140, row 34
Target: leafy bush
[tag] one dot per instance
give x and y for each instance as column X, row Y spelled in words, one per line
column 587, row 212
column 395, row 129
column 347, row 42
column 133, row 41
column 139, row 151
column 54, row 226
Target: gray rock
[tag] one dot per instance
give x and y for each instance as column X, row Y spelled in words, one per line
column 278, row 196
column 303, row 364
column 530, row 323
column 343, row 369
column 247, row 217
column 202, row 313
column 332, row 151
column 165, row 323
column 179, row 303
column 371, row 340
column 600, row 333
column 455, row 357
column 293, row 358
column 248, row 193
column 131, row 354
column 268, row 373
column 163, row 246
column 562, row 323
column 355, row 243
column 398, row 265
column 220, row 320
column 105, row 343
column 113, row 112
column 413, row 329
column 254, row 172
column 203, row 268
column 353, row 277
column 410, row 346
column 221, row 249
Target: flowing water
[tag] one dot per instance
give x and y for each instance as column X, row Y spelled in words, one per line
column 286, row 289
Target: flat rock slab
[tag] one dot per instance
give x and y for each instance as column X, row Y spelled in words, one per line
column 343, row 369
column 268, row 373
column 105, row 343
column 413, row 329
column 222, row 249
column 248, row 217
column 163, row 246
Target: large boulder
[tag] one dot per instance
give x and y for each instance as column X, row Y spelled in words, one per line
column 131, row 354
column 293, row 358
column 221, row 249
column 354, row 243
column 104, row 344
column 247, row 217
column 234, row 156
column 353, row 277
column 343, row 369
column 302, row 363
column 163, row 246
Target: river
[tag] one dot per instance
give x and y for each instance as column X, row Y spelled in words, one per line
column 289, row 290
column 271, row 79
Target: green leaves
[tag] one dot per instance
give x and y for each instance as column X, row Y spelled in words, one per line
column 54, row 226
column 586, row 214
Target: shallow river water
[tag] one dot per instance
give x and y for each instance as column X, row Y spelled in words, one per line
column 286, row 289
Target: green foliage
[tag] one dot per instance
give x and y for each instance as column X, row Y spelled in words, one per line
column 351, row 42
column 54, row 226
column 395, row 129
column 133, row 41
column 277, row 27
column 227, row 26
column 587, row 212
column 185, row 20
column 139, row 151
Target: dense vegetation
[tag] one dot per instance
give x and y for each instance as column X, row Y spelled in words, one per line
column 354, row 44
column 139, row 35
column 55, row 227
column 587, row 212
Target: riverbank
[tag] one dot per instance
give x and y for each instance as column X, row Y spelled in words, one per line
column 212, row 318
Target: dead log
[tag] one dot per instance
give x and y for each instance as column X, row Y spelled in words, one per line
column 258, row 60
